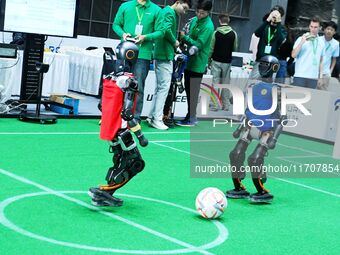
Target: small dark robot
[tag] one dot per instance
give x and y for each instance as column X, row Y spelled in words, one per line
column 180, row 62
column 120, row 90
column 265, row 128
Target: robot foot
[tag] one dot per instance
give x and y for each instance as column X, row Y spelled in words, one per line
column 237, row 193
column 103, row 198
column 261, row 197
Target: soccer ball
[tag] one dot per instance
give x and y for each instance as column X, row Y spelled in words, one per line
column 211, row 203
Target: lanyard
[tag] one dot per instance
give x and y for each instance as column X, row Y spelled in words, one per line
column 270, row 36
column 140, row 17
column 328, row 45
column 315, row 46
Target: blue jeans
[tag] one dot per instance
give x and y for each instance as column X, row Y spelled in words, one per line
column 305, row 82
column 163, row 70
column 282, row 72
column 141, row 71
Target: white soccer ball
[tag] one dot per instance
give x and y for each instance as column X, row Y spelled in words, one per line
column 211, row 203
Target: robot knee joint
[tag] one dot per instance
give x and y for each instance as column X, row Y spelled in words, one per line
column 129, row 166
column 257, row 157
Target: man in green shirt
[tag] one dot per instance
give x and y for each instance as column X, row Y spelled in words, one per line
column 200, row 33
column 141, row 20
column 164, row 53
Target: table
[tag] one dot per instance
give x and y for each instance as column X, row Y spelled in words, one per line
column 85, row 70
column 55, row 81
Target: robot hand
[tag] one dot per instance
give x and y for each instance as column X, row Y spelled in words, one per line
column 136, row 129
column 180, row 86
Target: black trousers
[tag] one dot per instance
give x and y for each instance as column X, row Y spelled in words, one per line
column 192, row 84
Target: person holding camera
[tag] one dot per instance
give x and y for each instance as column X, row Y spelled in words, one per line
column 308, row 51
column 201, row 29
column 272, row 35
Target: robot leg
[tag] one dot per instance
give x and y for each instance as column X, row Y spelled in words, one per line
column 259, row 177
column 237, row 157
column 168, row 106
column 127, row 163
column 255, row 161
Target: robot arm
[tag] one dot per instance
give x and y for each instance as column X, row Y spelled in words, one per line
column 271, row 143
column 277, row 131
column 131, row 90
column 239, row 129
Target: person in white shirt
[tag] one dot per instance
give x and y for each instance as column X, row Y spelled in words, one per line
column 331, row 53
column 308, row 52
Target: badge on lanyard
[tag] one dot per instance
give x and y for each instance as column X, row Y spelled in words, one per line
column 139, row 29
column 267, row 49
column 315, row 49
column 139, row 26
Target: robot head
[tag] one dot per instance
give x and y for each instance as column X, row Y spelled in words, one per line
column 127, row 54
column 268, row 65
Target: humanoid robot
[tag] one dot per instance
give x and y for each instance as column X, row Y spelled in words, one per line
column 264, row 128
column 179, row 65
column 119, row 91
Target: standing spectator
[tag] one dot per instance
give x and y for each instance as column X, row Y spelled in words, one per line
column 223, row 43
column 200, row 33
column 254, row 40
column 164, row 53
column 272, row 35
column 308, row 52
column 140, row 19
column 331, row 53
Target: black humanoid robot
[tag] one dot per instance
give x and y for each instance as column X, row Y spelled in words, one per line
column 120, row 89
column 264, row 128
column 179, row 65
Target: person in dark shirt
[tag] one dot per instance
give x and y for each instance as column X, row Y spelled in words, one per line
column 272, row 35
column 223, row 43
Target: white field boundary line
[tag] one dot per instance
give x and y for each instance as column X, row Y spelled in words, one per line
column 126, row 221
column 150, row 133
column 279, row 179
column 301, row 149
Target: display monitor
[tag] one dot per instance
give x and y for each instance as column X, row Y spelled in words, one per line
column 46, row 17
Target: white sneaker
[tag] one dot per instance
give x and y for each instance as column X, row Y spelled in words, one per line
column 159, row 124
